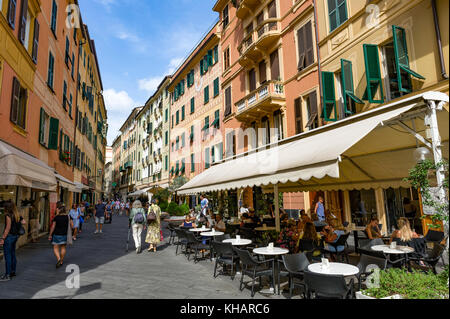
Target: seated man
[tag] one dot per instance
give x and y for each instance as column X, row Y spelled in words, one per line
column 254, row 219
column 219, row 224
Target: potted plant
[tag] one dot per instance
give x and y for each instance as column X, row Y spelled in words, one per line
column 401, row 284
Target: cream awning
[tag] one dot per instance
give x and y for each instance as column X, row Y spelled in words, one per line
column 18, row 168
column 65, row 183
column 139, row 192
column 368, row 150
column 80, row 187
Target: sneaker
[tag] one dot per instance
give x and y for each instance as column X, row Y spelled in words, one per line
column 13, row 274
column 5, row 278
column 96, row 232
column 101, row 232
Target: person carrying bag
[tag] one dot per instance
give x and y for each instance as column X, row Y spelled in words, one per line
column 154, row 226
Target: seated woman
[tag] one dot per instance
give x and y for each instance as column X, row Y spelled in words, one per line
column 189, row 222
column 404, row 233
column 331, row 235
column 310, row 233
column 372, row 229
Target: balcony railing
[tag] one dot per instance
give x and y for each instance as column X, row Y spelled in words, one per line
column 268, row 96
column 245, row 7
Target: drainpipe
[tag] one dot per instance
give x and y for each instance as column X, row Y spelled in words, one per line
column 439, row 43
column 318, row 55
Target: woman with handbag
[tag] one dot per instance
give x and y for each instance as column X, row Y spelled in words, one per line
column 13, row 230
column 61, row 234
column 154, row 226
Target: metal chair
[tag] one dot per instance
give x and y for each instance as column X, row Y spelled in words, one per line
column 295, row 266
column 341, row 241
column 182, row 241
column 327, row 286
column 225, row 255
column 431, row 259
column 309, row 247
column 172, row 233
column 254, row 269
column 366, row 261
column 196, row 244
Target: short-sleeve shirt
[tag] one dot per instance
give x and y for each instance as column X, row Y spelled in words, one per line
column 100, row 210
column 62, row 225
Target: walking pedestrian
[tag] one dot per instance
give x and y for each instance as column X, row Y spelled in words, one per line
column 99, row 217
column 34, row 215
column 320, row 210
column 127, row 207
column 81, row 210
column 108, row 215
column 122, row 208
column 11, row 233
column 117, row 207
column 154, row 226
column 75, row 216
column 137, row 222
column 60, row 234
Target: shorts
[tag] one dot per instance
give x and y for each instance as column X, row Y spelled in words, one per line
column 99, row 220
column 59, row 240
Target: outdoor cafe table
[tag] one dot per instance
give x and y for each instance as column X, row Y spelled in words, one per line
column 334, row 269
column 212, row 234
column 235, row 242
column 275, row 252
column 400, row 250
column 199, row 229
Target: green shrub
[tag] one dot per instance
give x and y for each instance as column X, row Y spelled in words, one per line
column 172, row 208
column 410, row 285
column 163, row 205
column 182, row 210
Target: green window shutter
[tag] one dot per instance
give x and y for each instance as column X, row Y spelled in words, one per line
column 213, row 157
column 217, row 119
column 192, row 163
column 207, row 158
column 53, row 134
column 167, row 115
column 166, row 160
column 178, row 117
column 373, row 73
column 183, row 113
column 206, row 94
column 54, row 16
column 41, row 127
column 216, row 87
column 216, row 54
column 220, row 149
column 61, row 137
column 183, row 140
column 201, row 67
column 402, row 59
column 192, row 105
column 205, row 64
column 51, row 63
column 210, row 58
column 167, row 138
column 329, row 96
column 191, row 136
column 347, row 85
column 65, row 95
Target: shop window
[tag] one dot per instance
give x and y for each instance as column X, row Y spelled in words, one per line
column 363, row 206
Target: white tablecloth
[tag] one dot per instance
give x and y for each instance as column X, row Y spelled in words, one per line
column 388, row 250
column 334, row 269
column 211, row 234
column 235, row 242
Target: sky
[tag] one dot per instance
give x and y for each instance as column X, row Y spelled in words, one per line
column 138, row 42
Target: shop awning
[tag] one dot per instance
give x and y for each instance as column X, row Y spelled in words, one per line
column 139, row 192
column 18, row 168
column 368, row 150
column 65, row 183
column 81, row 187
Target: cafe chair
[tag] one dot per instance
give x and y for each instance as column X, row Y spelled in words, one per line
column 172, row 233
column 254, row 269
column 434, row 236
column 341, row 241
column 309, row 247
column 295, row 265
column 327, row 286
column 182, row 241
column 430, row 259
column 196, row 244
column 225, row 256
column 365, row 247
column 364, row 262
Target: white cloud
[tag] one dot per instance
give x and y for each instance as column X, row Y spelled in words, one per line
column 124, row 35
column 151, row 84
column 174, row 64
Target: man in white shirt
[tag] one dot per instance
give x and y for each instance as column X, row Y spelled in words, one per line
column 243, row 210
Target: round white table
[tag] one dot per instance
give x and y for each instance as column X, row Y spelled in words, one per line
column 235, row 242
column 397, row 251
column 199, row 229
column 212, row 234
column 334, row 269
column 276, row 251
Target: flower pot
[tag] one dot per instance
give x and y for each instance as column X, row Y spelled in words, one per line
column 361, row 295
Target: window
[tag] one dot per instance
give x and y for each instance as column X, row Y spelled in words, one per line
column 178, row 117
column 207, row 159
column 54, row 17
column 183, row 114
column 298, row 116
column 192, row 163
column 191, row 136
column 166, row 162
column 206, row 127
column 262, row 72
column 278, row 122
column 216, row 54
column 18, row 104
column 206, row 94
column 48, row 131
column 231, row 144
column 216, row 87
column 67, row 54
column 337, row 13
column 172, row 121
column 305, row 46
column 177, row 143
column 216, row 123
column 272, row 9
column 34, row 51
column 225, row 17
column 226, row 58
column 51, row 66
column 252, row 80
column 183, row 140
column 347, row 88
column 23, row 23
column 12, row 13
column 190, row 78
column 275, row 66
column 192, row 105
column 65, row 96
column 313, row 114
column 166, row 138
column 228, row 107
column 166, row 118
column 266, row 132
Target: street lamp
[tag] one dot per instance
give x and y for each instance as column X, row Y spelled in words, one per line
column 421, row 154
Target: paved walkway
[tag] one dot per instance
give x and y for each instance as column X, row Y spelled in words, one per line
column 107, row 271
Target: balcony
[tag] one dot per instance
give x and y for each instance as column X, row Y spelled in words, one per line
column 268, row 98
column 258, row 43
column 246, row 7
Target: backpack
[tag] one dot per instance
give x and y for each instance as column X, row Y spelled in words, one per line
column 17, row 228
column 151, row 217
column 139, row 217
